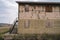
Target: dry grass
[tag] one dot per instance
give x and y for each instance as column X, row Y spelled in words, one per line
column 3, row 29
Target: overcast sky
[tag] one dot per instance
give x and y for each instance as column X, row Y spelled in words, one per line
column 9, row 9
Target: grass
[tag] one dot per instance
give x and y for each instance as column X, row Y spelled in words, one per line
column 37, row 37
column 3, row 30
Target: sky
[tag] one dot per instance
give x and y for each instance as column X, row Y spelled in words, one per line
column 9, row 9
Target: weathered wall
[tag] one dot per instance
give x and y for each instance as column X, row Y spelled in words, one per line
column 38, row 21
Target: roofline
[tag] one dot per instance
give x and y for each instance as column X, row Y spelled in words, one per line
column 31, row 2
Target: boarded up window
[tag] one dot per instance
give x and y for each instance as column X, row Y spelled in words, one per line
column 26, row 8
column 26, row 24
column 48, row 8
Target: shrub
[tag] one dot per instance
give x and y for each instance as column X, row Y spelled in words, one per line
column 1, row 38
column 37, row 37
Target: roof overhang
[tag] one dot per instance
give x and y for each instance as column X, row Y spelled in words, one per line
column 38, row 3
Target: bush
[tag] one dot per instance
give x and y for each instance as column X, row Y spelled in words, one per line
column 50, row 36
column 1, row 38
column 37, row 37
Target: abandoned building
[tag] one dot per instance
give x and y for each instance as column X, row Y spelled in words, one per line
column 38, row 17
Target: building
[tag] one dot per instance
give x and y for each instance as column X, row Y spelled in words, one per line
column 38, row 17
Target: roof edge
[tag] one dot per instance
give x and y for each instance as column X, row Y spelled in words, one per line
column 31, row 2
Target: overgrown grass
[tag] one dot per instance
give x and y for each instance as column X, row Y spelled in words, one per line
column 37, row 37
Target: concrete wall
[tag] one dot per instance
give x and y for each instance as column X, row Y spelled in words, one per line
column 38, row 21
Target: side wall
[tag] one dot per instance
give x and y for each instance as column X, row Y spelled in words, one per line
column 38, row 21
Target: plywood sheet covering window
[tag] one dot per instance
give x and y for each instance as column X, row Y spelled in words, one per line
column 48, row 8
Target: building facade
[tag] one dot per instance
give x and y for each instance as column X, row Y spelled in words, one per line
column 38, row 17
